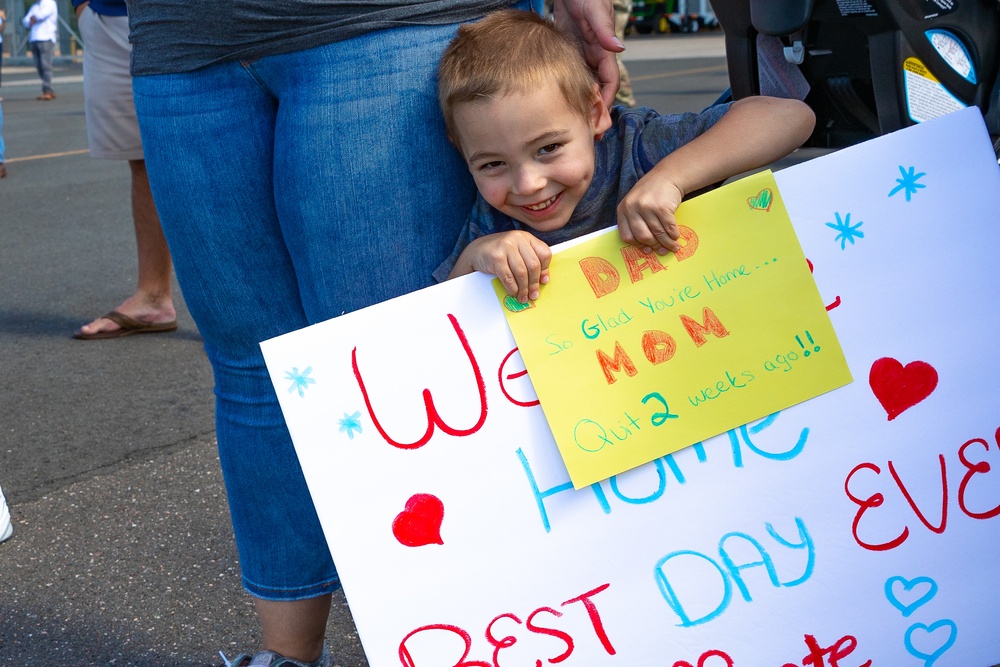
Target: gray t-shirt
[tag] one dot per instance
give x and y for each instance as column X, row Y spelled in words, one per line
column 171, row 36
column 637, row 140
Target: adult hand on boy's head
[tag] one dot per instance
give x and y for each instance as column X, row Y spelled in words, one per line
column 646, row 216
column 517, row 258
column 593, row 24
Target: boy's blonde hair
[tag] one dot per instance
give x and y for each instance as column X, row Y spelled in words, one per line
column 511, row 51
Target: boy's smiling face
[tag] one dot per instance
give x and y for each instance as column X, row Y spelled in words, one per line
column 531, row 154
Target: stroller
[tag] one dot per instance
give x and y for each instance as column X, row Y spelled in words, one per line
column 866, row 67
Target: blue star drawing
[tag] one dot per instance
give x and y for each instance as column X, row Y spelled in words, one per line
column 300, row 381
column 351, row 423
column 847, row 232
column 908, row 183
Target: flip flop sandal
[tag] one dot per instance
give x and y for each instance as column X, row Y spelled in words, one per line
column 127, row 327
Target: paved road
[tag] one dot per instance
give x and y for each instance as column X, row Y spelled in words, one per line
column 123, row 553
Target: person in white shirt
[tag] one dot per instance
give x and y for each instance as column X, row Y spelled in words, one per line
column 42, row 20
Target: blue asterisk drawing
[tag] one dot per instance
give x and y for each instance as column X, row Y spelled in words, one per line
column 300, row 381
column 908, row 183
column 351, row 423
column 846, row 231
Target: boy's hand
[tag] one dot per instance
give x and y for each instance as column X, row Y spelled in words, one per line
column 517, row 258
column 646, row 216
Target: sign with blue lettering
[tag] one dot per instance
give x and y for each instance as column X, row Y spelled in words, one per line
column 859, row 528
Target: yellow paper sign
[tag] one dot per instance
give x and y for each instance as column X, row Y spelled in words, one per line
column 634, row 356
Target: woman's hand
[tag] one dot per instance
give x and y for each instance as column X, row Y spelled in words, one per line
column 593, row 24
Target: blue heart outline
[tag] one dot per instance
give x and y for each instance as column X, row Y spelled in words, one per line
column 909, row 584
column 929, row 659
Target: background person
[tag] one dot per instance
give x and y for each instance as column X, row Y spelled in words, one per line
column 625, row 95
column 300, row 167
column 113, row 134
column 42, row 21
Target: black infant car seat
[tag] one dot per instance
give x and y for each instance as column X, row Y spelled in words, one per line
column 866, row 67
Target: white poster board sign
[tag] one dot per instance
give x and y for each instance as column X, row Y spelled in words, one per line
column 859, row 528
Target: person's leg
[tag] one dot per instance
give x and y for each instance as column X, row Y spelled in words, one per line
column 294, row 231
column 295, row 629
column 113, row 133
column 45, row 66
column 625, row 95
column 154, row 256
column 36, row 57
column 345, row 155
column 212, row 182
column 152, row 302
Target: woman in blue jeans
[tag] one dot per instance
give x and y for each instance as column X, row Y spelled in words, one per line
column 300, row 168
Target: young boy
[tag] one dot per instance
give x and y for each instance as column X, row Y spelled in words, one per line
column 552, row 163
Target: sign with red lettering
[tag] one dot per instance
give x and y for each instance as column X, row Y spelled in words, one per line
column 858, row 529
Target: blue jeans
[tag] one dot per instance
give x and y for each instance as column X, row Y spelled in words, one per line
column 291, row 190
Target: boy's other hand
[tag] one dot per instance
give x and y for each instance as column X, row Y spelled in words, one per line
column 593, row 24
column 517, row 258
column 646, row 216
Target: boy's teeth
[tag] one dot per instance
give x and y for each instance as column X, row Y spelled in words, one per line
column 539, row 207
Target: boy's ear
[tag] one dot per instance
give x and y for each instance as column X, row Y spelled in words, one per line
column 600, row 117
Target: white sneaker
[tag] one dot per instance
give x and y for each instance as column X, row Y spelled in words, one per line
column 6, row 528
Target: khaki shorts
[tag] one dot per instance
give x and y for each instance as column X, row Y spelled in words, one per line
column 112, row 127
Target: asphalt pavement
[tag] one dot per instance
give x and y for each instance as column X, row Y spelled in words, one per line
column 123, row 552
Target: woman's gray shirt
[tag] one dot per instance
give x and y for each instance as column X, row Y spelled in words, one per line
column 170, row 36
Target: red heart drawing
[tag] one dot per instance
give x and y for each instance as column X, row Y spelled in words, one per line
column 899, row 387
column 419, row 523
